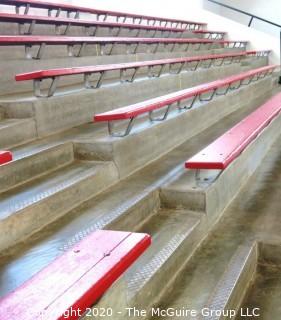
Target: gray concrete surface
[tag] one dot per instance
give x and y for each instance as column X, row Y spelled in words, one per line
column 69, row 179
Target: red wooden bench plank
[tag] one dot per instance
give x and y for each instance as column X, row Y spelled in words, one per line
column 265, row 51
column 73, row 8
column 208, row 31
column 59, row 40
column 76, row 279
column 154, row 104
column 159, row 102
column 235, row 78
column 220, row 153
column 5, row 156
column 41, row 74
column 19, row 18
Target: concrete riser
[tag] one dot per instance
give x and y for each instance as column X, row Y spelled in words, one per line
column 61, row 51
column 12, row 29
column 169, row 133
column 64, row 112
column 214, row 198
column 231, row 289
column 137, row 214
column 118, row 294
column 27, row 168
column 28, row 220
column 13, row 133
column 2, row 113
column 233, row 285
column 10, row 67
column 153, row 289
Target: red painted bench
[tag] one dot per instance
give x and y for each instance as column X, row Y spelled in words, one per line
column 75, row 280
column 5, row 156
column 87, row 71
column 92, row 26
column 211, row 34
column 81, row 42
column 223, row 151
column 136, row 18
column 132, row 111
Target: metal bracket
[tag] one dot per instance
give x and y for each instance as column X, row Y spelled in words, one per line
column 208, row 65
column 196, row 66
column 60, row 31
column 26, row 9
column 118, row 134
column 91, row 31
column 103, row 51
column 76, row 14
column 236, row 87
column 29, row 29
column 50, row 92
column 39, row 53
column 223, row 93
column 187, row 107
column 207, row 99
column 164, row 117
column 88, row 83
column 205, row 181
column 220, row 64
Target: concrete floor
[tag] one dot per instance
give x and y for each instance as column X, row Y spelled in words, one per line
column 265, row 293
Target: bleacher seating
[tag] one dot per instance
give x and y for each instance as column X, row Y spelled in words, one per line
column 64, row 181
column 223, row 151
column 216, row 35
column 91, row 27
column 76, row 10
column 179, row 63
column 5, row 156
column 76, row 279
column 42, row 41
column 226, row 84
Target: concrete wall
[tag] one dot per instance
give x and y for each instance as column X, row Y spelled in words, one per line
column 267, row 9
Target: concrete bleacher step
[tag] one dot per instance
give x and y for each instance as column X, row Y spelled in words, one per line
column 52, row 116
column 11, row 67
column 126, row 205
column 176, row 129
column 214, row 192
column 43, row 200
column 2, row 113
column 212, row 297
column 175, row 236
column 118, row 208
column 250, row 218
column 16, row 131
column 233, row 284
column 10, row 28
column 31, row 162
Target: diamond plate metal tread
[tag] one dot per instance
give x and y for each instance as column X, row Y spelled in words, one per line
column 241, row 267
column 31, row 150
column 115, row 205
column 169, row 230
column 106, row 219
column 111, row 209
column 74, row 134
column 43, row 188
